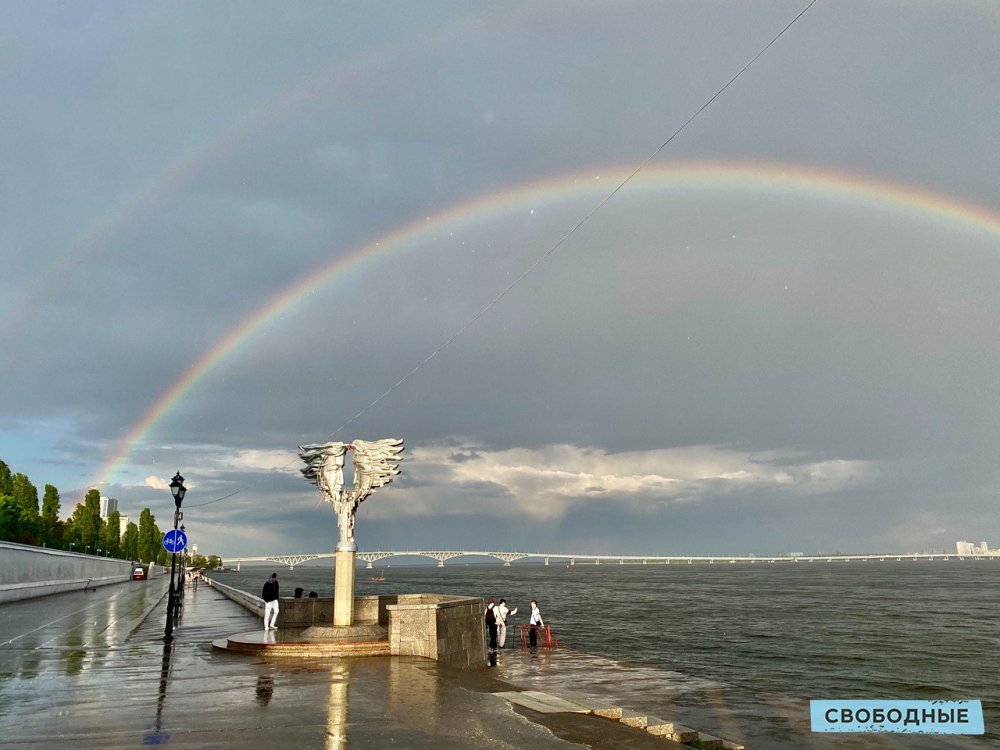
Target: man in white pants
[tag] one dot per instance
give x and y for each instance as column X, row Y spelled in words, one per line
column 502, row 613
column 270, row 597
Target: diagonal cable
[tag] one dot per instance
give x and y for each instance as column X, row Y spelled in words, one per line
column 559, row 243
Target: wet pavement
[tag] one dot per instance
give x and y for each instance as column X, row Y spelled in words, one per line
column 92, row 670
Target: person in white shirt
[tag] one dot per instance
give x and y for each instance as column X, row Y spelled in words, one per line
column 534, row 622
column 502, row 614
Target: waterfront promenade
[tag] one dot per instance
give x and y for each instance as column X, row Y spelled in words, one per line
column 91, row 670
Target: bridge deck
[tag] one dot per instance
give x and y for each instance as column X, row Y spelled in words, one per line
column 441, row 556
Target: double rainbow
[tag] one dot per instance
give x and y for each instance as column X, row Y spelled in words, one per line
column 823, row 185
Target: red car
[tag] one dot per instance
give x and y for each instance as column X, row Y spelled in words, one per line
column 138, row 574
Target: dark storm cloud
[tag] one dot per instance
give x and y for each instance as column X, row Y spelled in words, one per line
column 213, row 160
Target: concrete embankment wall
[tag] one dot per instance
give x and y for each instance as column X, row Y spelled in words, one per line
column 248, row 601
column 27, row 572
column 445, row 628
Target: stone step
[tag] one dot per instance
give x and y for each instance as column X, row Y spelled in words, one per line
column 708, row 742
column 543, row 702
column 672, row 730
column 609, row 712
column 633, row 719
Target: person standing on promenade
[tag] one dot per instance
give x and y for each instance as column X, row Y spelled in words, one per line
column 491, row 623
column 270, row 597
column 534, row 622
column 502, row 614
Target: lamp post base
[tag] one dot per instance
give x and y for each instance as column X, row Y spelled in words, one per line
column 168, row 630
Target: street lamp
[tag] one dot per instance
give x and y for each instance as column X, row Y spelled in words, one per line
column 178, row 490
column 71, row 546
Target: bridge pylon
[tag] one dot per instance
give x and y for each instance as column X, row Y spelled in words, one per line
column 370, row 557
column 291, row 560
column 439, row 556
column 508, row 557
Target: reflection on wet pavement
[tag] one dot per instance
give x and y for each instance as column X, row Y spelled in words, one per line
column 265, row 689
column 70, row 672
column 92, row 670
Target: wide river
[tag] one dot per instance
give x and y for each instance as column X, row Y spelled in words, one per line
column 746, row 645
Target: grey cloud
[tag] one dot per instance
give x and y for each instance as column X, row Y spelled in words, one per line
column 209, row 169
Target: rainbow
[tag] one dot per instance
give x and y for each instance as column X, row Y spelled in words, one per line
column 259, row 117
column 594, row 184
column 143, row 199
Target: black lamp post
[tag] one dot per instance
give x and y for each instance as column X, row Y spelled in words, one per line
column 178, row 490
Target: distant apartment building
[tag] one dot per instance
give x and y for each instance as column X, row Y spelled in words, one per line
column 108, row 506
column 971, row 549
column 123, row 522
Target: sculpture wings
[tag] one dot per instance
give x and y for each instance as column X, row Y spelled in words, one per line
column 375, row 463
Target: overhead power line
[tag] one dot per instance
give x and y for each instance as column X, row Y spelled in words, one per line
column 559, row 243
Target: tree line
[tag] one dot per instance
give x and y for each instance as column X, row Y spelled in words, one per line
column 23, row 521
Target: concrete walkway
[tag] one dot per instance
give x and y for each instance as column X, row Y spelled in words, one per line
column 87, row 670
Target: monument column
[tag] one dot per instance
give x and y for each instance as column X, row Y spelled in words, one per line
column 374, row 466
column 343, row 584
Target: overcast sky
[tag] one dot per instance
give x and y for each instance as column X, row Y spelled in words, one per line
column 782, row 335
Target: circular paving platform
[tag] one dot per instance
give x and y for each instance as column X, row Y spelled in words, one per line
column 364, row 640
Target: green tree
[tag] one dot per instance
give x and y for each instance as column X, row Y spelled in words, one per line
column 148, row 539
column 162, row 556
column 26, row 495
column 78, row 528
column 110, row 537
column 130, row 542
column 70, row 533
column 86, row 523
column 6, row 480
column 51, row 527
column 15, row 525
column 93, row 503
column 207, row 563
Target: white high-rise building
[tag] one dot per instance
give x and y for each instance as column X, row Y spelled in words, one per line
column 122, row 525
column 969, row 549
column 108, row 506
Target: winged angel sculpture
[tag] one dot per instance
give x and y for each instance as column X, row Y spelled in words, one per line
column 374, row 466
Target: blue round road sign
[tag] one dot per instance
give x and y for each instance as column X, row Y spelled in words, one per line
column 174, row 540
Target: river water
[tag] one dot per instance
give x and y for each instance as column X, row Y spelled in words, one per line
column 740, row 649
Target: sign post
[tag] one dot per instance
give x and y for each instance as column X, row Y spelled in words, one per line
column 173, row 541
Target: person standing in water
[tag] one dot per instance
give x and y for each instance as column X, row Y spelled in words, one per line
column 534, row 622
column 491, row 623
column 502, row 614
